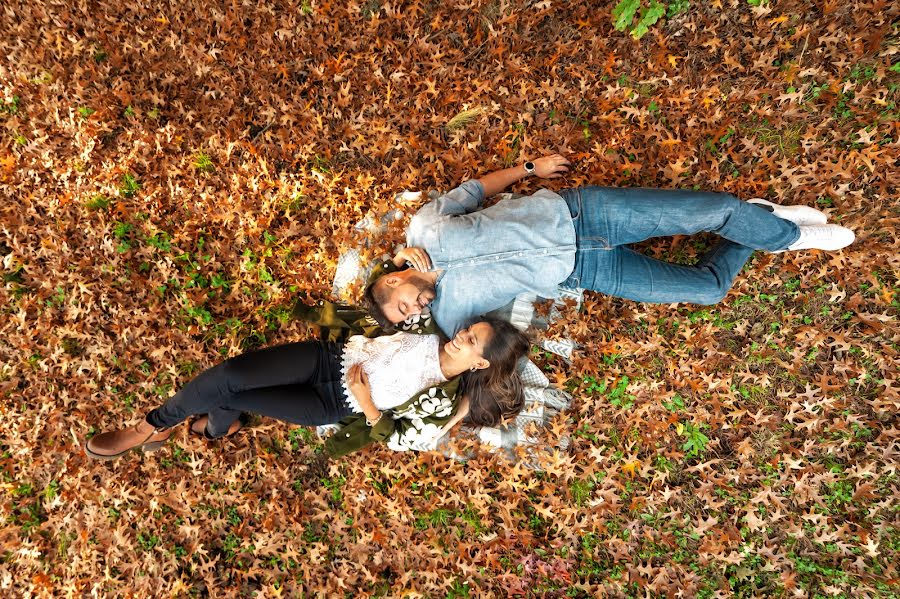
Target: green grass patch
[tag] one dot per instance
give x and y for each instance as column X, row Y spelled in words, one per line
column 129, row 186
column 203, row 163
column 785, row 139
column 98, row 202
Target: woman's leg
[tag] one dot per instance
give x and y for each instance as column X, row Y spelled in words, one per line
column 299, row 404
column 280, row 381
column 212, row 391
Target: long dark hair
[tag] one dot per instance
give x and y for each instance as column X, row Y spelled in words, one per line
column 496, row 392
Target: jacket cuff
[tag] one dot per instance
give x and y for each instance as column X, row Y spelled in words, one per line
column 480, row 191
column 384, row 428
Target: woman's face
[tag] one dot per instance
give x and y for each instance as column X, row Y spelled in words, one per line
column 467, row 347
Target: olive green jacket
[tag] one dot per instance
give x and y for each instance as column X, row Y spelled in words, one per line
column 411, row 425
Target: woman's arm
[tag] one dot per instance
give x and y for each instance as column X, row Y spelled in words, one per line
column 461, row 412
column 358, row 383
column 546, row 167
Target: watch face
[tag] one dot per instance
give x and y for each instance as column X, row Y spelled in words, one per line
column 529, row 166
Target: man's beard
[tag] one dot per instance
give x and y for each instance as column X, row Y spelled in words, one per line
column 424, row 286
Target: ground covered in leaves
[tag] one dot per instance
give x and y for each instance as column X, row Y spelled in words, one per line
column 172, row 177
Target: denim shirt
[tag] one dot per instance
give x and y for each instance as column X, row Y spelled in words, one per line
column 489, row 256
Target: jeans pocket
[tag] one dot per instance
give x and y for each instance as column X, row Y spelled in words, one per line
column 589, row 235
column 572, row 198
column 595, row 243
column 573, row 282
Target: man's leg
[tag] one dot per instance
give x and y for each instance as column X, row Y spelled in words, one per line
column 623, row 272
column 619, row 216
column 607, row 218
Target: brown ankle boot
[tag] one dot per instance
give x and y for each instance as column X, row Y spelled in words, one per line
column 198, row 427
column 109, row 446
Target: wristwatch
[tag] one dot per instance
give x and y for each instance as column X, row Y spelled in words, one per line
column 529, row 167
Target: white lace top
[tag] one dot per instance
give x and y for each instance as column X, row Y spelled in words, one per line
column 397, row 365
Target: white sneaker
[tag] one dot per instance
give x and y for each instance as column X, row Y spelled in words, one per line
column 823, row 237
column 799, row 215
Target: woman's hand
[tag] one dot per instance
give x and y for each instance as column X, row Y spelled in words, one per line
column 418, row 257
column 358, row 382
column 551, row 167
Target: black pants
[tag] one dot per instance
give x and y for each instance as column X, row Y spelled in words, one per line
column 296, row 382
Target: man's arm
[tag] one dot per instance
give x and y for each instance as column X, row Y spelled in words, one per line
column 546, row 167
column 469, row 196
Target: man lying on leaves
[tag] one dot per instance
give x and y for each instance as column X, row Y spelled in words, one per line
column 404, row 389
column 469, row 259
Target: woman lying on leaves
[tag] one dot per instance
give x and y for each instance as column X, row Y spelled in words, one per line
column 404, row 389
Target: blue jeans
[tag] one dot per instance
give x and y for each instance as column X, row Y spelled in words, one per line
column 607, row 219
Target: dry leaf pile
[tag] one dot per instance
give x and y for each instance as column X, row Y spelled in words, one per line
column 173, row 175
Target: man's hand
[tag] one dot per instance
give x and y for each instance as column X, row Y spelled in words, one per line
column 418, row 257
column 546, row 167
column 551, row 167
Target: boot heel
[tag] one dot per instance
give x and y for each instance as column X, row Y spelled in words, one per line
column 151, row 447
column 101, row 456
